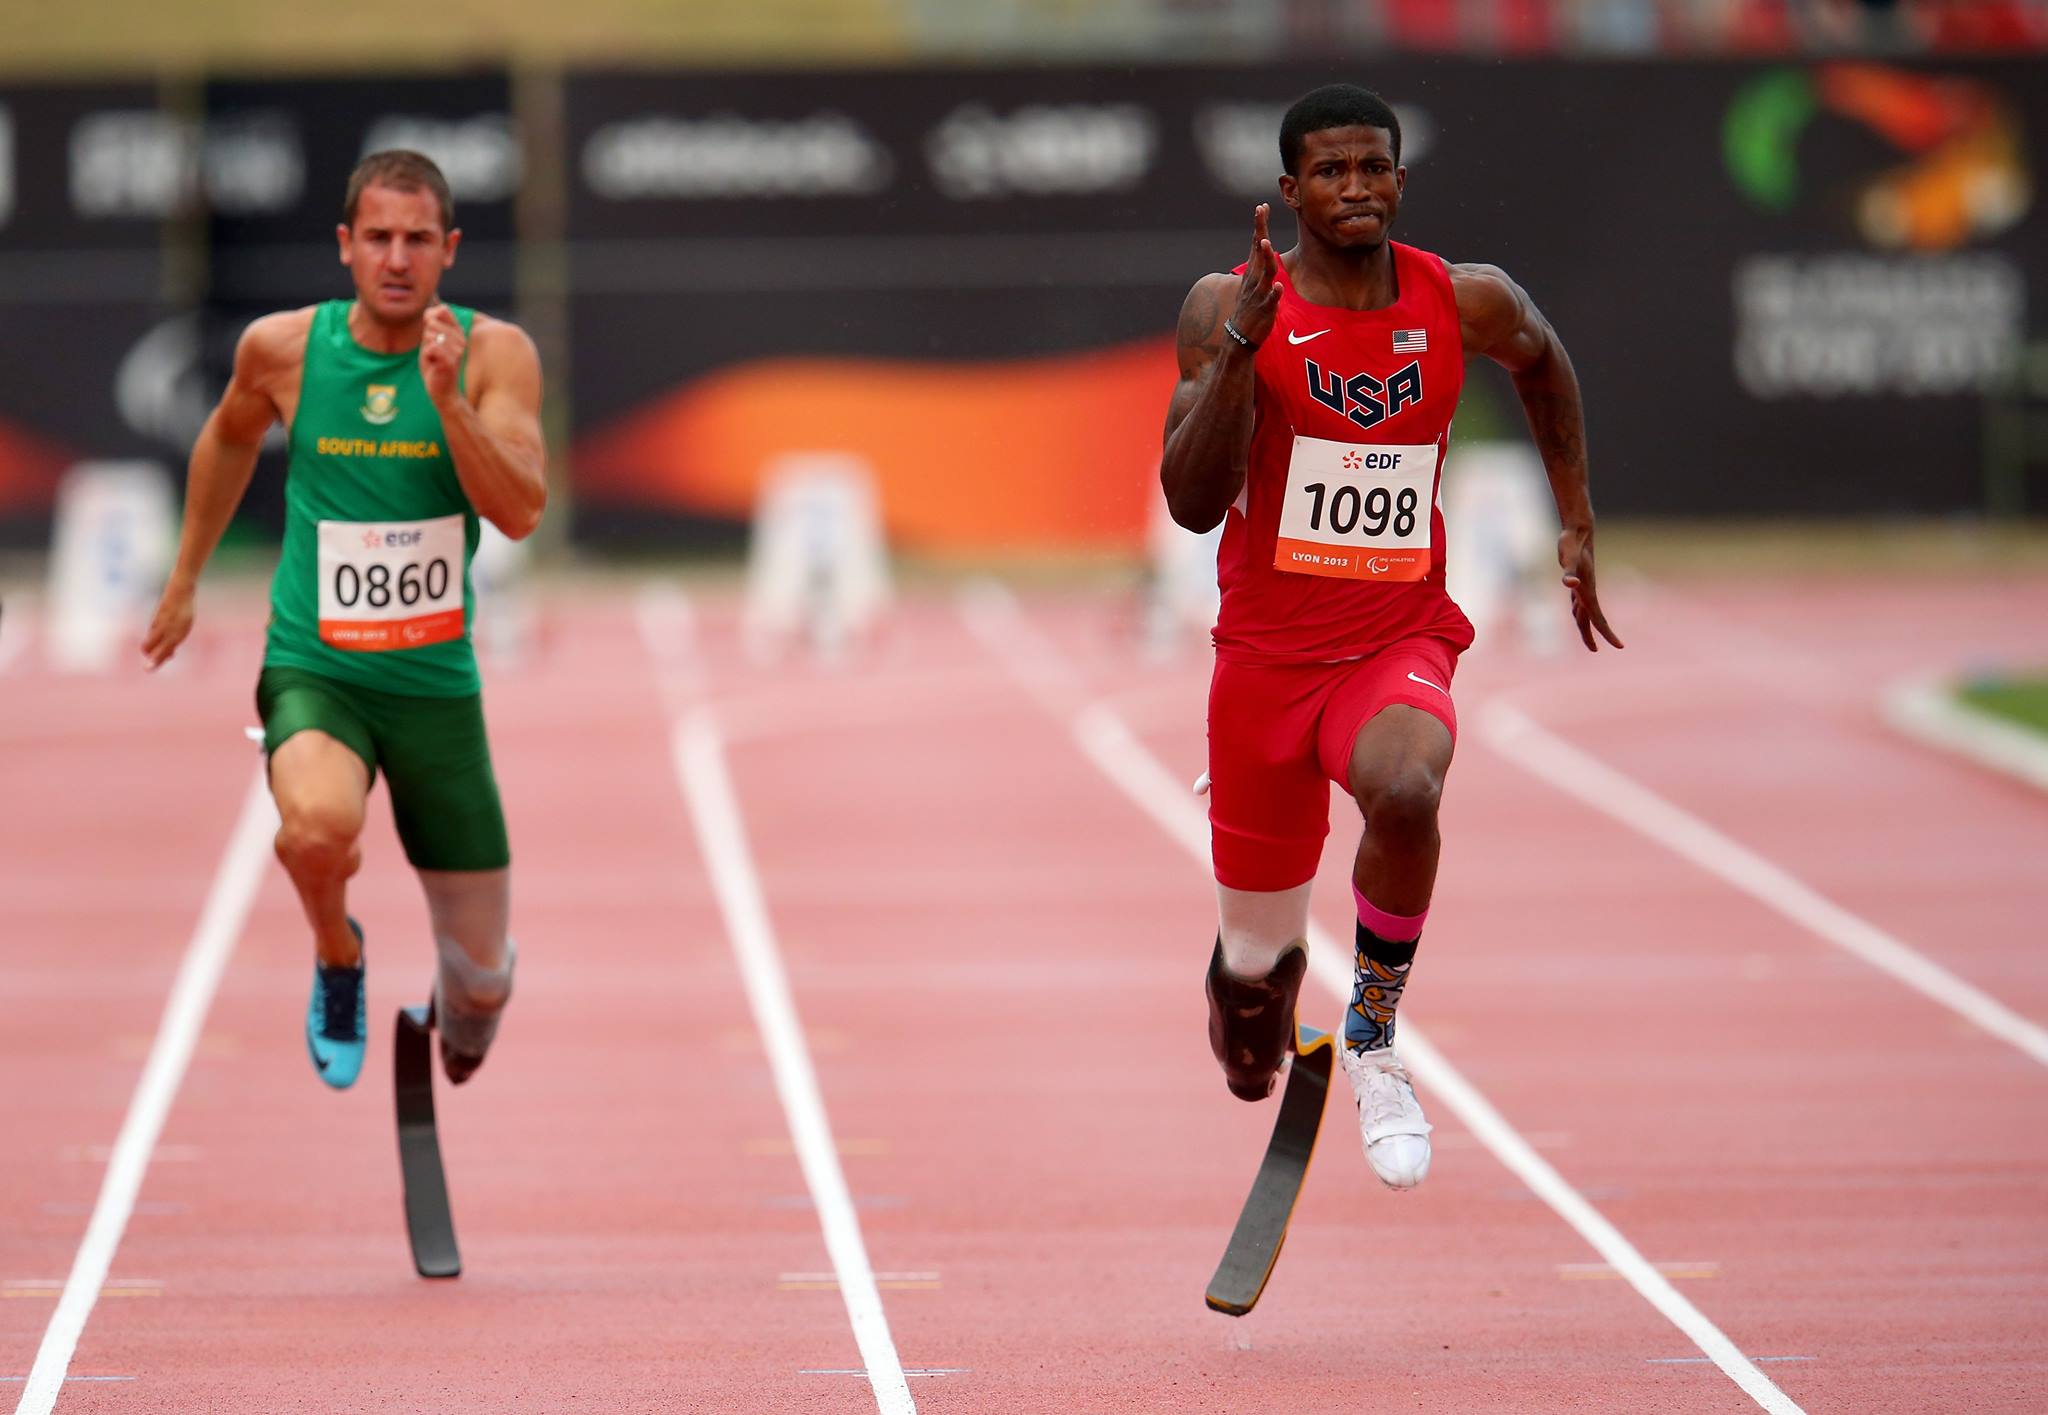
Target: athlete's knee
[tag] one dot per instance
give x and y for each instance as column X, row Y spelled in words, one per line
column 317, row 837
column 1400, row 803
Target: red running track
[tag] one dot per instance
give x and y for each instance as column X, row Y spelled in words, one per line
column 996, row 958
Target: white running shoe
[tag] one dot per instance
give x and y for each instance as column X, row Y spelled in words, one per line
column 1389, row 1117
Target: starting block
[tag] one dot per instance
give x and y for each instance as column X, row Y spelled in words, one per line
column 817, row 568
column 112, row 542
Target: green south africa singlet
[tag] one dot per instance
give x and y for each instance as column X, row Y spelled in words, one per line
column 373, row 587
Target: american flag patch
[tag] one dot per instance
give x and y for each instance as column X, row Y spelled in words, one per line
column 1411, row 341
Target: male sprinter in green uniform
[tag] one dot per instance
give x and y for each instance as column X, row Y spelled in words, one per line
column 408, row 419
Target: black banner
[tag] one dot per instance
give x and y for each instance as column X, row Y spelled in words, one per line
column 1787, row 289
column 88, row 175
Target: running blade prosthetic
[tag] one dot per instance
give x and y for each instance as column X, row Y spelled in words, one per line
column 1262, row 1226
column 428, row 1222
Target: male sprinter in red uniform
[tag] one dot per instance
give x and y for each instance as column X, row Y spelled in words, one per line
column 1312, row 415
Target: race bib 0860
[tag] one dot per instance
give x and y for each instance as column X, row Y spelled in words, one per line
column 1358, row 511
column 390, row 584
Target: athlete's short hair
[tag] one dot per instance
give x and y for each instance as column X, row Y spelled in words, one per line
column 1334, row 106
column 404, row 170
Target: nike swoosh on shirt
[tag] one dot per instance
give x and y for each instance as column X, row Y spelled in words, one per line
column 1427, row 684
column 1292, row 338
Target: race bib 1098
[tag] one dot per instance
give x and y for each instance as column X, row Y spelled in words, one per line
column 390, row 584
column 1358, row 511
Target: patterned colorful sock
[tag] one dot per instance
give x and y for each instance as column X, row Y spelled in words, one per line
column 1386, row 951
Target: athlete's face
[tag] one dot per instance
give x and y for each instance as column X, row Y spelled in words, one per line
column 1347, row 187
column 396, row 250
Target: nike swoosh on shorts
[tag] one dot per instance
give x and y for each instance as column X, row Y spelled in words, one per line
column 1427, row 684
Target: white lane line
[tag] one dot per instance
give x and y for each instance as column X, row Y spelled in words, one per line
column 1108, row 743
column 1930, row 713
column 1542, row 754
column 220, row 924
column 707, row 788
column 1701, row 1360
column 10, row 1380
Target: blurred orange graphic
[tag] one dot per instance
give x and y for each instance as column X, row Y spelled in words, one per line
column 1970, row 178
column 1057, row 452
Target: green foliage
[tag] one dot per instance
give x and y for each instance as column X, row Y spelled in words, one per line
column 2023, row 701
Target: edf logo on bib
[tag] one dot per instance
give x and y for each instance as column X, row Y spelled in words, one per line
column 1363, row 398
column 1372, row 461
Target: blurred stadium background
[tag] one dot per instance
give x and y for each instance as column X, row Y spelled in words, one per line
column 1795, row 248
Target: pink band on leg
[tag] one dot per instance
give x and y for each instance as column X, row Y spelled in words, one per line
column 1394, row 928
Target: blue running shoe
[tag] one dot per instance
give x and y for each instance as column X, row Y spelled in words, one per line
column 338, row 1021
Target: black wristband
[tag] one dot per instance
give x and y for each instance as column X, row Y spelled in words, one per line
column 1231, row 330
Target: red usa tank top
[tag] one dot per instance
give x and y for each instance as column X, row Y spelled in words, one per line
column 1335, row 549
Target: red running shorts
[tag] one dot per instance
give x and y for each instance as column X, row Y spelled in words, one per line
column 1280, row 733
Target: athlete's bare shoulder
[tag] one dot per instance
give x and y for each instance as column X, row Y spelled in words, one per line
column 1484, row 293
column 492, row 337
column 1476, row 273
column 1496, row 317
column 1199, row 335
column 269, row 359
column 503, row 360
column 271, row 345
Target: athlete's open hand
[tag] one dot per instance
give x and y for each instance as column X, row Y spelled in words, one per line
column 168, row 626
column 1258, row 293
column 1575, row 556
column 441, row 350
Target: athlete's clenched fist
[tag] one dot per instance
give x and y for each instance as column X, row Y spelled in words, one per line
column 1258, row 293
column 441, row 349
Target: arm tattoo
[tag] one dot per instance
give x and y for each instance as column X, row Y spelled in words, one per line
column 1559, row 426
column 1198, row 335
column 1200, row 320
column 1181, row 404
